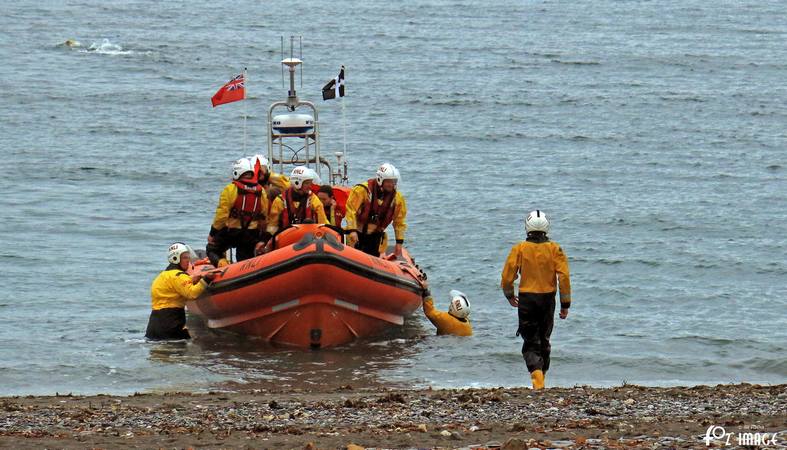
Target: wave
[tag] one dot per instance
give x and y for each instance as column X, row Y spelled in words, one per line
column 610, row 262
column 682, row 98
column 776, row 365
column 771, row 268
column 108, row 48
column 104, row 47
column 576, row 63
column 716, row 341
column 449, row 102
column 759, row 31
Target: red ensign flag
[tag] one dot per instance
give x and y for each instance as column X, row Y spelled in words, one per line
column 233, row 91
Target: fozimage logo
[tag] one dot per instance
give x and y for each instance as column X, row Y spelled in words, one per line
column 717, row 434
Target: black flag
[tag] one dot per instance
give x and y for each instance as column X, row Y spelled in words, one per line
column 335, row 87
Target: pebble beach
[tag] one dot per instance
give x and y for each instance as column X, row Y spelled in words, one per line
column 346, row 417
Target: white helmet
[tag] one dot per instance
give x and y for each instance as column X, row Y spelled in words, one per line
column 387, row 171
column 176, row 250
column 460, row 306
column 537, row 221
column 302, row 173
column 261, row 159
column 240, row 167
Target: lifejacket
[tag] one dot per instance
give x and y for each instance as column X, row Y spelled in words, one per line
column 248, row 204
column 335, row 214
column 291, row 215
column 371, row 212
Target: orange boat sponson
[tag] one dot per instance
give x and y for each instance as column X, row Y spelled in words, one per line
column 315, row 292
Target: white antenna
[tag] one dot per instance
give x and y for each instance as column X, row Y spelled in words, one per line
column 282, row 57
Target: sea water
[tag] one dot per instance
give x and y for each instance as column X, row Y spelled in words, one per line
column 652, row 133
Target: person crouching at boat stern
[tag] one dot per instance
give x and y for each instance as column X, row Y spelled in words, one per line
column 371, row 207
column 169, row 293
column 541, row 266
column 240, row 216
column 297, row 204
column 333, row 212
column 454, row 322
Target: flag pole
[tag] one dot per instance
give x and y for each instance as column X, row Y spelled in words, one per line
column 344, row 130
column 245, row 87
column 344, row 121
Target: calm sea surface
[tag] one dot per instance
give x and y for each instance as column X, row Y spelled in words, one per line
column 652, row 133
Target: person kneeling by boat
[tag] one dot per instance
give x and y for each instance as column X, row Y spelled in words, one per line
column 455, row 321
column 169, row 293
column 297, row 204
column 240, row 216
column 371, row 207
column 333, row 212
column 541, row 266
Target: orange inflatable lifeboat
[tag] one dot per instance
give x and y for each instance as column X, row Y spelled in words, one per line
column 311, row 291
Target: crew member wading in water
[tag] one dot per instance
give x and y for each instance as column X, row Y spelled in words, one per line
column 169, row 293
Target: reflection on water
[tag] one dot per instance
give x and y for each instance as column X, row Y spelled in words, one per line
column 251, row 363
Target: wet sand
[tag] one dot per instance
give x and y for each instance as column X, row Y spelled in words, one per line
column 579, row 417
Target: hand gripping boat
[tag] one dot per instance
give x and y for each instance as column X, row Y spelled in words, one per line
column 311, row 290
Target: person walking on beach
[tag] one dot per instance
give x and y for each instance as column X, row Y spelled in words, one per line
column 169, row 293
column 333, row 211
column 297, row 204
column 371, row 207
column 541, row 266
column 240, row 216
column 455, row 321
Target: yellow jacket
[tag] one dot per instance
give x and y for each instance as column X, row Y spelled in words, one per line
column 279, row 181
column 540, row 264
column 172, row 288
column 227, row 201
column 278, row 206
column 446, row 323
column 359, row 195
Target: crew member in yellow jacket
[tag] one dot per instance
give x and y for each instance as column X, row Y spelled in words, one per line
column 371, row 207
column 298, row 204
column 169, row 293
column 273, row 183
column 240, row 217
column 542, row 266
column 455, row 321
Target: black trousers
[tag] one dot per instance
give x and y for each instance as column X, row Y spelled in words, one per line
column 536, row 319
column 242, row 240
column 167, row 323
column 369, row 243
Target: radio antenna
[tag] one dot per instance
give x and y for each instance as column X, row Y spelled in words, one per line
column 282, row 57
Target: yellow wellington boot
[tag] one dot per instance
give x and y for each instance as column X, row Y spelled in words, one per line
column 223, row 262
column 537, row 377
